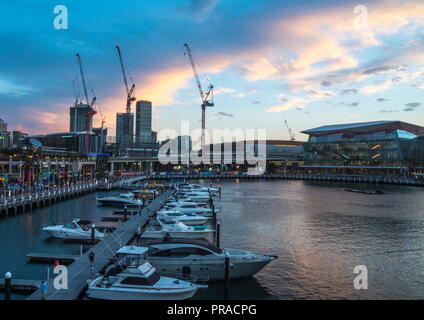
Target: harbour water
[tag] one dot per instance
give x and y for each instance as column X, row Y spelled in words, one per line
column 319, row 232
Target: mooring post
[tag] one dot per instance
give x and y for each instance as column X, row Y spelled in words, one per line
column 213, row 215
column 7, row 286
column 93, row 235
column 227, row 277
column 91, row 258
column 218, row 234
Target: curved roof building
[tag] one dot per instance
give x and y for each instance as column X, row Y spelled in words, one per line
column 366, row 147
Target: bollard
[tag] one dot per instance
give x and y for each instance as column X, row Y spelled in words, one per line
column 218, row 234
column 80, row 250
column 91, row 258
column 213, row 215
column 7, row 286
column 48, row 274
column 227, row 277
column 93, row 235
column 219, row 191
column 125, row 213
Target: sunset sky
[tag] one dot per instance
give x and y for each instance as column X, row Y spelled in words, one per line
column 309, row 63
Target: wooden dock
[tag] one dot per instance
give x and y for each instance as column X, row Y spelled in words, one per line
column 79, row 272
column 64, row 259
column 22, row 286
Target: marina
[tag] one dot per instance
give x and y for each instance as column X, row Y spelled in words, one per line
column 236, row 203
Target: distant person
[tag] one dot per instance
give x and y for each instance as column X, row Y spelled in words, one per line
column 43, row 289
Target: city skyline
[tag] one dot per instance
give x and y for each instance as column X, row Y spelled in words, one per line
column 308, row 63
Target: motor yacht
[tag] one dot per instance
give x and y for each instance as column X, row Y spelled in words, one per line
column 189, row 208
column 77, row 229
column 201, row 259
column 134, row 278
column 190, row 219
column 172, row 228
column 197, row 187
column 124, row 199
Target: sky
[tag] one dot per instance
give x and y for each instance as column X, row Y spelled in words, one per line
column 310, row 62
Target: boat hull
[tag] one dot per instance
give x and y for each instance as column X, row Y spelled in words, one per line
column 69, row 235
column 213, row 269
column 119, row 293
column 154, row 234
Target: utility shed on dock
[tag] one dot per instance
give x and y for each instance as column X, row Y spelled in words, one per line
column 79, row 272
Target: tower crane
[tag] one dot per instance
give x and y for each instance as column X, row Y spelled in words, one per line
column 291, row 134
column 206, row 97
column 130, row 96
column 91, row 112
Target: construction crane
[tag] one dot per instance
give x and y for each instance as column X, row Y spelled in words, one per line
column 91, row 112
column 207, row 98
column 130, row 96
column 291, row 134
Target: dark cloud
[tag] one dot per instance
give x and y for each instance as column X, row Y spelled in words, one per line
column 347, row 91
column 353, row 104
column 224, row 114
column 382, row 100
column 413, row 104
column 326, row 83
column 381, row 69
column 256, row 102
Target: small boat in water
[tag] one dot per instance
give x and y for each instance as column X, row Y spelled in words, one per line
column 134, row 278
column 189, row 208
column 197, row 187
column 190, row 219
column 77, row 229
column 148, row 193
column 195, row 195
column 124, row 199
column 365, row 191
column 172, row 228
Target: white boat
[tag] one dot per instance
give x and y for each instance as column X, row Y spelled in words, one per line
column 190, row 203
column 190, row 219
column 195, row 195
column 124, row 199
column 189, row 208
column 133, row 278
column 172, row 228
column 197, row 187
column 77, row 229
column 201, row 259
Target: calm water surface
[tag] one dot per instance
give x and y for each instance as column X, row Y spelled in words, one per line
column 319, row 232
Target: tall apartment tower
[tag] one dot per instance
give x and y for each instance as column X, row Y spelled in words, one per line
column 143, row 121
column 78, row 116
column 123, row 138
column 3, row 125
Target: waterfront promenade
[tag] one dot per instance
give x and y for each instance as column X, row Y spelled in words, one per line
column 410, row 181
column 13, row 201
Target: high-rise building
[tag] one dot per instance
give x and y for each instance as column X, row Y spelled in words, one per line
column 3, row 125
column 124, row 129
column 143, row 122
column 78, row 116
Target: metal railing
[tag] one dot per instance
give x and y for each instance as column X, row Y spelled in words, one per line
column 13, row 199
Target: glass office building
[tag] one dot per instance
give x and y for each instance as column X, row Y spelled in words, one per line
column 380, row 147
